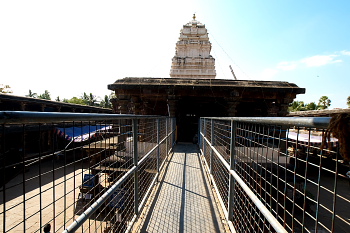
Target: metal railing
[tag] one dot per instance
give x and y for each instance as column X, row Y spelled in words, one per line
column 85, row 172
column 271, row 175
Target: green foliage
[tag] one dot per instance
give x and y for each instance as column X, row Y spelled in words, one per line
column 6, row 89
column 106, row 102
column 85, row 99
column 90, row 99
column 76, row 100
column 324, row 102
column 348, row 102
column 297, row 106
column 311, row 106
column 45, row 95
column 31, row 94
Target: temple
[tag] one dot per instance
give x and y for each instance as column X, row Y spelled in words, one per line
column 192, row 53
column 192, row 91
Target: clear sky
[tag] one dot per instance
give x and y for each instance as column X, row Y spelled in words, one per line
column 70, row 47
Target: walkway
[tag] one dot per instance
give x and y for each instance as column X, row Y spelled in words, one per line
column 183, row 201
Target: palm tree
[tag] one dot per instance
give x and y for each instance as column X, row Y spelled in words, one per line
column 45, row 95
column 297, row 106
column 32, row 94
column 324, row 102
column 92, row 100
column 106, row 103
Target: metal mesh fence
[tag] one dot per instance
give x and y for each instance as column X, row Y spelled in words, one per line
column 85, row 172
column 275, row 176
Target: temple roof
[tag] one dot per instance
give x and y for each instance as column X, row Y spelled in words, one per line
column 132, row 82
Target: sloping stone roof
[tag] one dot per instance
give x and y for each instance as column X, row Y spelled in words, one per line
column 132, row 82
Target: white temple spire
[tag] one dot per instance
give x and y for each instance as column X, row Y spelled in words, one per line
column 192, row 53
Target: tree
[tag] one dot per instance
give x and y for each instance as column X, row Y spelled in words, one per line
column 6, row 89
column 76, row 100
column 297, row 106
column 31, row 94
column 311, row 106
column 45, row 95
column 90, row 99
column 106, row 102
column 58, row 99
column 348, row 101
column 324, row 102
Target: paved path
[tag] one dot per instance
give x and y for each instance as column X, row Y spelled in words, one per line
column 183, row 202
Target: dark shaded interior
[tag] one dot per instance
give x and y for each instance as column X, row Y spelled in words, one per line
column 188, row 112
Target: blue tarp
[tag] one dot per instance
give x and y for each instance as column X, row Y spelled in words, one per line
column 80, row 134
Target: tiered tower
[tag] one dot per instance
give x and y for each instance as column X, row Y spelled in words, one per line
column 192, row 56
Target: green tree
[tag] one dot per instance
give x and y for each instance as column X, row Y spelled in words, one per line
column 311, row 106
column 6, row 89
column 45, row 95
column 348, row 101
column 85, row 99
column 58, row 99
column 76, row 100
column 90, row 99
column 324, row 102
column 106, row 102
column 297, row 106
column 32, row 94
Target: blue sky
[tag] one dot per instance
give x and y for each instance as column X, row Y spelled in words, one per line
column 71, row 47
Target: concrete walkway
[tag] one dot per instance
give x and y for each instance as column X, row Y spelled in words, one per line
column 183, row 201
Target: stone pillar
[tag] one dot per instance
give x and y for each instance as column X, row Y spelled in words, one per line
column 123, row 106
column 232, row 108
column 172, row 106
column 136, row 105
column 272, row 109
column 23, row 106
column 43, row 107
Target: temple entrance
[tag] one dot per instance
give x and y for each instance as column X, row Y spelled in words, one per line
column 188, row 112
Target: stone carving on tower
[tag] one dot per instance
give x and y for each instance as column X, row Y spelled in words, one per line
column 192, row 56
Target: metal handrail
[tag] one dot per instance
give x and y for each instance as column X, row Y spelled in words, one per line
column 27, row 117
column 207, row 143
column 310, row 122
column 267, row 214
column 165, row 140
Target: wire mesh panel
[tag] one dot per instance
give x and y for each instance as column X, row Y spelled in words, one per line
column 282, row 178
column 85, row 172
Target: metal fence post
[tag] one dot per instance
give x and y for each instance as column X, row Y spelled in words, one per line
column 212, row 144
column 231, row 190
column 158, row 136
column 166, row 136
column 174, row 130
column 136, row 174
column 204, row 135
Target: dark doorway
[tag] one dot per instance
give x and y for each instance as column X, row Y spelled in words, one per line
column 189, row 111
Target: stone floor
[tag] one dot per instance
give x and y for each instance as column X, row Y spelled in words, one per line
column 183, row 201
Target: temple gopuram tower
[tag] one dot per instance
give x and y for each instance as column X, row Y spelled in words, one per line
column 192, row 53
